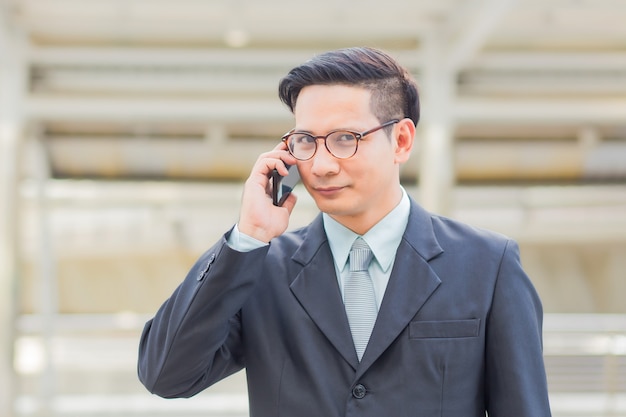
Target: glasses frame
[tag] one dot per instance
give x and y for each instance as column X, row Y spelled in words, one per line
column 357, row 135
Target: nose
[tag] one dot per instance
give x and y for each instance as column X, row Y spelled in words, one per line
column 323, row 162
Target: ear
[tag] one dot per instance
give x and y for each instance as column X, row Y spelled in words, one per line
column 404, row 136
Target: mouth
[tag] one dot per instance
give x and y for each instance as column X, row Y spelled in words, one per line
column 328, row 191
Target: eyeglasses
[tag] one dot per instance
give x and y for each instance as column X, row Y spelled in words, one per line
column 341, row 144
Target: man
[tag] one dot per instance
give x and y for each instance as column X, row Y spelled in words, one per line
column 457, row 322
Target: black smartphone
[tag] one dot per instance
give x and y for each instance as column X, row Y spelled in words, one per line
column 282, row 186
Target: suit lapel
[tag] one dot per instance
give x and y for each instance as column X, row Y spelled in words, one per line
column 317, row 290
column 411, row 284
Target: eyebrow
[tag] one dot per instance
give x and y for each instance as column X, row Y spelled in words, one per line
column 302, row 131
column 343, row 129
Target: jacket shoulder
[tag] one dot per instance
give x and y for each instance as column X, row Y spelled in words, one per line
column 446, row 225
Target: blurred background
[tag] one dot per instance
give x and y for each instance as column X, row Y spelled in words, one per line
column 127, row 128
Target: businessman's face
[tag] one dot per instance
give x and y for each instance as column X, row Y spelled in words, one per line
column 360, row 190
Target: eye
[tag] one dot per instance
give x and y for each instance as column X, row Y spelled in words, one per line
column 302, row 139
column 344, row 138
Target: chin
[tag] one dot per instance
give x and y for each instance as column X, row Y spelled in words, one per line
column 341, row 204
column 335, row 208
column 325, row 205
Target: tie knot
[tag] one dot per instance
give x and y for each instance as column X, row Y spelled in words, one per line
column 360, row 255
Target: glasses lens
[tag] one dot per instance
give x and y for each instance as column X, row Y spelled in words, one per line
column 342, row 144
column 302, row 146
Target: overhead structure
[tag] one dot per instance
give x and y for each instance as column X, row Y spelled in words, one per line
column 123, row 122
column 113, row 74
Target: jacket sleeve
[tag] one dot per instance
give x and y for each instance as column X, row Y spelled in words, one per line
column 194, row 340
column 515, row 373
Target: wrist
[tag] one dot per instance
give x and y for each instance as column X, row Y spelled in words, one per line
column 242, row 242
column 254, row 232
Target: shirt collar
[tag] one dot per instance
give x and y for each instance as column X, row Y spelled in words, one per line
column 383, row 238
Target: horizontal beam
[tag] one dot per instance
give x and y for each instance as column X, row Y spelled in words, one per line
column 179, row 158
column 186, row 57
column 521, row 61
column 466, row 110
column 85, row 82
column 93, row 194
column 154, row 109
column 577, row 110
column 286, row 58
column 533, row 214
column 170, row 57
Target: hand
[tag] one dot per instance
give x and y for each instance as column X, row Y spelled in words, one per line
column 259, row 217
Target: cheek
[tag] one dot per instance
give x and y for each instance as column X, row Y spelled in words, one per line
column 377, row 161
column 305, row 173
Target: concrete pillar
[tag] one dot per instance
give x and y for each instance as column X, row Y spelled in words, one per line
column 47, row 296
column 437, row 173
column 12, row 81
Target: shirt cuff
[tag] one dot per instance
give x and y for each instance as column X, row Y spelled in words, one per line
column 242, row 242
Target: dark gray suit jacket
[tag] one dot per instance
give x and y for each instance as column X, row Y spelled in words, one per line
column 458, row 332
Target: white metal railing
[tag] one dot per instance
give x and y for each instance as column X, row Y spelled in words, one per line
column 585, row 359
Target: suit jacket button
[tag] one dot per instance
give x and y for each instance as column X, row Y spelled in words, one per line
column 359, row 391
column 202, row 273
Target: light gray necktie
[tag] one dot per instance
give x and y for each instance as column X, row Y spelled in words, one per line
column 359, row 298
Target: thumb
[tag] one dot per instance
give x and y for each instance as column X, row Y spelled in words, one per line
column 290, row 202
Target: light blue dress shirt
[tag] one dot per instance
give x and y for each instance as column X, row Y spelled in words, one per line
column 383, row 238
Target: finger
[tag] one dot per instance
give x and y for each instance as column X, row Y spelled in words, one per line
column 286, row 156
column 268, row 162
column 290, row 202
column 278, row 161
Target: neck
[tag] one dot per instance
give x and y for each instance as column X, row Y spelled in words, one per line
column 363, row 222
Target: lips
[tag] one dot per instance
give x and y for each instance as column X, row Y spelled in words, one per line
column 327, row 188
column 328, row 191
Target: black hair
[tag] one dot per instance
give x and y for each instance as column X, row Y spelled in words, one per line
column 394, row 92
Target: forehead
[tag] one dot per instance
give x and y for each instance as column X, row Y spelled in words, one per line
column 329, row 107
